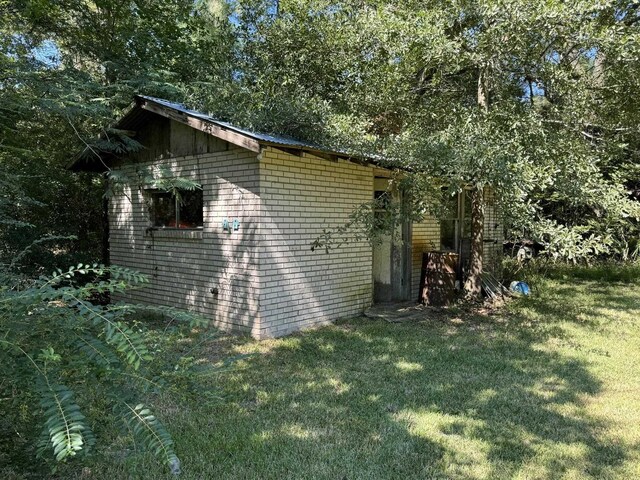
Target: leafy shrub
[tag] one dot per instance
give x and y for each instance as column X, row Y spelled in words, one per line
column 71, row 364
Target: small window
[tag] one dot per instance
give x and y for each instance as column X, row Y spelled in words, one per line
column 455, row 228
column 176, row 211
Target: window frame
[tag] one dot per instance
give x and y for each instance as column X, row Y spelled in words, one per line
column 152, row 194
column 459, row 222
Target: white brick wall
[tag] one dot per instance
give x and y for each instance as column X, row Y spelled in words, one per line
column 184, row 266
column 301, row 196
column 270, row 282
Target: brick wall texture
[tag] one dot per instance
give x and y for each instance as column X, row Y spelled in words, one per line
column 183, row 266
column 268, row 280
column 301, row 198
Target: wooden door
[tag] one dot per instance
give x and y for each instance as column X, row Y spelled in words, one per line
column 392, row 254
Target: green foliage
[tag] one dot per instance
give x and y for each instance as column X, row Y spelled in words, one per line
column 558, row 139
column 606, row 271
column 602, row 271
column 573, row 244
column 66, row 430
column 68, row 351
column 545, row 388
column 67, row 72
column 552, row 131
column 150, row 177
column 152, row 433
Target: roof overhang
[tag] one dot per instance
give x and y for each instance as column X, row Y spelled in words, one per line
column 207, row 126
column 143, row 106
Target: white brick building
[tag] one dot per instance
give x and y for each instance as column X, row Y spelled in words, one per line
column 245, row 261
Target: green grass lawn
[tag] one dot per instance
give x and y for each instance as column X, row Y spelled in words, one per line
column 548, row 387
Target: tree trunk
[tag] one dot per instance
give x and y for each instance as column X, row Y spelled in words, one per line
column 483, row 89
column 473, row 284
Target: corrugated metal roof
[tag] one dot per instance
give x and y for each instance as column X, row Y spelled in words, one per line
column 260, row 137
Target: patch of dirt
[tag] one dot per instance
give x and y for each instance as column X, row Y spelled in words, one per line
column 458, row 314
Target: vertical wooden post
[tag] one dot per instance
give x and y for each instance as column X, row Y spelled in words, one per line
column 105, row 223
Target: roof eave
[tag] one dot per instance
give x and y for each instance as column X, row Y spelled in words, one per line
column 322, row 153
column 205, row 126
column 229, row 133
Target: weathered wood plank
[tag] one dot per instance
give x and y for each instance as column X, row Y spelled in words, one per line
column 207, row 127
column 182, row 139
column 201, row 144
column 216, row 144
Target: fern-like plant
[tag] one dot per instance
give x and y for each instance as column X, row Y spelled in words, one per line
column 60, row 349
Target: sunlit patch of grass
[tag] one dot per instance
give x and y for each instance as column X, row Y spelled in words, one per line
column 546, row 388
column 405, row 366
column 465, row 455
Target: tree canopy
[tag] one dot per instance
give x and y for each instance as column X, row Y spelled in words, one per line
column 67, row 70
column 534, row 99
column 538, row 100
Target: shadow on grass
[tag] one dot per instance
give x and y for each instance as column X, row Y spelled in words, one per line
column 583, row 302
column 607, row 272
column 458, row 395
column 433, row 400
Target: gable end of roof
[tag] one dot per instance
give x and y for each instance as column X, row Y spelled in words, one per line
column 252, row 141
